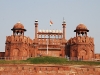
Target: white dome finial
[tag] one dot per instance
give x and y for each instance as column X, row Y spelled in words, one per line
column 19, row 21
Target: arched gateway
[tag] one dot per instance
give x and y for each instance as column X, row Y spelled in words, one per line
column 49, row 43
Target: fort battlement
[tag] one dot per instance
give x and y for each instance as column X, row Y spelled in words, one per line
column 50, row 31
column 18, row 39
column 82, row 40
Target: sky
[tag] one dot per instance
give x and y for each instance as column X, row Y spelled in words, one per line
column 27, row 11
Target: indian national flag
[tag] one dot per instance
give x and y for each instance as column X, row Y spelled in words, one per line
column 51, row 22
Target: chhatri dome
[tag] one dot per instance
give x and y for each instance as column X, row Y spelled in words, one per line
column 81, row 26
column 18, row 26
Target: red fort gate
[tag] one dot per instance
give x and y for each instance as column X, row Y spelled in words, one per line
column 49, row 43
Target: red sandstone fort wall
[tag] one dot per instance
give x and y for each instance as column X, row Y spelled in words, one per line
column 2, row 54
column 97, row 56
column 29, row 69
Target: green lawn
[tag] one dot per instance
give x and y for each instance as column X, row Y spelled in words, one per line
column 48, row 60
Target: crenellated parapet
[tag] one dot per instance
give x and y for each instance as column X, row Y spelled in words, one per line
column 50, row 31
column 81, row 40
column 50, row 34
column 18, row 39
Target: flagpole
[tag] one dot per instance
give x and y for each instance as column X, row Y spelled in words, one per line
column 49, row 36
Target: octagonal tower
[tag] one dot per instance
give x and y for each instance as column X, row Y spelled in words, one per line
column 17, row 45
column 82, row 46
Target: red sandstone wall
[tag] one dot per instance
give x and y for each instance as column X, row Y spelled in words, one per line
column 48, row 70
column 97, row 56
column 2, row 54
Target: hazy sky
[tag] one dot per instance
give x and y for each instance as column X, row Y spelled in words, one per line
column 27, row 11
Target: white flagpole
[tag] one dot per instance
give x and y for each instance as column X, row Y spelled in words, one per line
column 47, row 46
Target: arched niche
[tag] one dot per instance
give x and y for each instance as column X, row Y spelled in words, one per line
column 82, row 54
column 15, row 52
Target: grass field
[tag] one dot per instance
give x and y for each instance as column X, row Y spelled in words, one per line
column 48, row 60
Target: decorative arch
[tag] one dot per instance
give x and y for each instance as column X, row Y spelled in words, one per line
column 82, row 54
column 16, row 52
